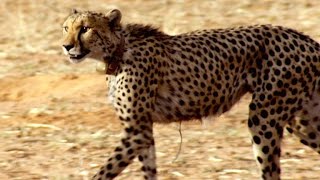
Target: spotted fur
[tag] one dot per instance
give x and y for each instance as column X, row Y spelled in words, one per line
column 163, row 78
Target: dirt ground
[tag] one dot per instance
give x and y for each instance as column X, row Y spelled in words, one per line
column 54, row 121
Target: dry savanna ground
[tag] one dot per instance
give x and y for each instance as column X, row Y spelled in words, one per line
column 54, row 121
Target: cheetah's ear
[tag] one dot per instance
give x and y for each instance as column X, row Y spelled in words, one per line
column 74, row 11
column 114, row 18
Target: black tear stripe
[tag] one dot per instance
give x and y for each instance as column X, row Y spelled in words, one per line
column 79, row 39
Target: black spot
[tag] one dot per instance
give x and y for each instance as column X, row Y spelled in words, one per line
column 277, row 48
column 313, row 145
column 312, row 135
column 130, row 151
column 279, row 110
column 256, row 139
column 260, row 160
column 192, row 103
column 304, row 142
column 154, row 171
column 279, row 84
column 110, row 175
column 134, row 87
column 303, row 49
column 126, row 143
column 294, row 81
column 136, row 132
column 267, row 170
column 134, row 116
column 268, row 134
column 269, row 86
column 274, row 167
column 137, row 141
column 272, row 111
column 109, row 166
column 263, row 127
column 129, row 130
column 280, row 131
column 250, row 123
column 264, row 114
column 140, row 158
column 143, row 127
column 123, row 164
column 270, row 157
column 287, row 61
column 287, row 75
column 255, row 120
column 285, row 36
column 143, row 168
column 266, row 41
column 286, row 49
column 311, row 49
column 276, row 151
column 271, row 52
column 304, row 122
column 249, row 39
column 277, row 72
column 222, row 98
column 278, row 38
column 140, row 109
column 265, row 149
column 298, row 69
column 273, row 142
column 252, row 106
column 118, row 149
column 118, row 156
column 289, row 130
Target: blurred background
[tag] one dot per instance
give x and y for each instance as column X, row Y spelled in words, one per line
column 54, row 121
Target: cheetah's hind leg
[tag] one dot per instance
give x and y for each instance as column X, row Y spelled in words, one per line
column 306, row 126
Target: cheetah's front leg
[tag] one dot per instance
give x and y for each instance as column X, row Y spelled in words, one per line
column 148, row 159
column 136, row 141
column 134, row 104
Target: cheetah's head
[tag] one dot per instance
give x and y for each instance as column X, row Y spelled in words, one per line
column 91, row 35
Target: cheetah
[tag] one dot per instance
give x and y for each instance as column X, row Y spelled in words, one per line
column 159, row 78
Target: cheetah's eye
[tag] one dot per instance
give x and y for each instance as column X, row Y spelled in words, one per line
column 84, row 29
column 65, row 28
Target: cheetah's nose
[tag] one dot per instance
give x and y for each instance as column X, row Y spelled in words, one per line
column 68, row 46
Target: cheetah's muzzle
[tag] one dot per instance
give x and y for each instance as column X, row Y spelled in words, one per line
column 79, row 56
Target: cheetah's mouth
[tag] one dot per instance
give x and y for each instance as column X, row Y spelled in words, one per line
column 76, row 58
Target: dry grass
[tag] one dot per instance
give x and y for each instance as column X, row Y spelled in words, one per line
column 54, row 123
column 34, row 26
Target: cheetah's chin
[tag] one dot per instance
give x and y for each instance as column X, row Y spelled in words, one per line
column 75, row 61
